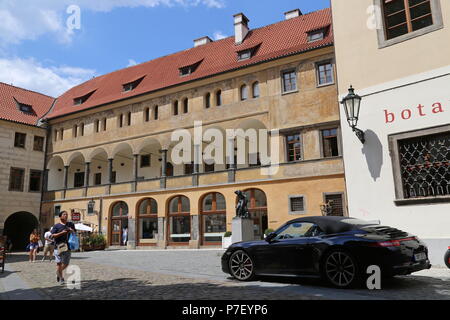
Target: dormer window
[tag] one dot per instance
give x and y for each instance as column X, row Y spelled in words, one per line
column 247, row 53
column 316, row 35
column 130, row 86
column 25, row 108
column 80, row 100
column 244, row 55
column 187, row 70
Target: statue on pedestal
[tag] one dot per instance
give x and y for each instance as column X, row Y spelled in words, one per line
column 241, row 207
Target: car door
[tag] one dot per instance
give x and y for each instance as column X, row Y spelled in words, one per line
column 288, row 251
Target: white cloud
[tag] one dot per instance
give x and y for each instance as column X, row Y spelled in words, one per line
column 131, row 63
column 50, row 80
column 218, row 35
column 28, row 20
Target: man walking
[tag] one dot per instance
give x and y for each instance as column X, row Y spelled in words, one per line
column 60, row 233
column 49, row 245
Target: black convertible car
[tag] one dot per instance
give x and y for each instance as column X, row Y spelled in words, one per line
column 339, row 249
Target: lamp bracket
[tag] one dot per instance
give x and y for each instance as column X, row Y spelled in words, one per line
column 360, row 134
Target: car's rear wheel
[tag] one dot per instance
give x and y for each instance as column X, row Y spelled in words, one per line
column 241, row 266
column 340, row 269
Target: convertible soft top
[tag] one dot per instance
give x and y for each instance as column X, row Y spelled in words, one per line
column 332, row 224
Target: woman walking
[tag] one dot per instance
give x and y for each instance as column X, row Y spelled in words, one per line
column 34, row 245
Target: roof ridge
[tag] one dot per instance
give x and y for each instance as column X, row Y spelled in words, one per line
column 24, row 89
column 188, row 49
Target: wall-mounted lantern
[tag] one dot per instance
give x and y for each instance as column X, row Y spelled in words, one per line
column 352, row 104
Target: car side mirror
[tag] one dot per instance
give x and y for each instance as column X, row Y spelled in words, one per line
column 270, row 236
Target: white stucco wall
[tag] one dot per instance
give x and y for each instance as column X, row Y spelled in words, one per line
column 368, row 167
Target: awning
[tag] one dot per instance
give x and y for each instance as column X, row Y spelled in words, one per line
column 82, row 227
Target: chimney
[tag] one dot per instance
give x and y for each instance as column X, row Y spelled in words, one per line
column 201, row 41
column 292, row 14
column 240, row 27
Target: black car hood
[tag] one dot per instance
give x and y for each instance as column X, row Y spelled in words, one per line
column 246, row 244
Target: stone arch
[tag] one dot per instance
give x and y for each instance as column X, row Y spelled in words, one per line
column 18, row 227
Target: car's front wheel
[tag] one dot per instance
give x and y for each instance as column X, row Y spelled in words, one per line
column 340, row 269
column 241, row 266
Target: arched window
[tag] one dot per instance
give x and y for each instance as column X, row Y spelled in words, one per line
column 147, row 220
column 155, row 113
column 185, row 105
column 255, row 90
column 61, row 134
column 175, row 108
column 213, row 218
column 179, row 220
column 169, row 170
column 147, row 114
column 82, row 129
column 207, row 100
column 75, row 131
column 97, row 125
column 129, row 119
column 104, row 124
column 121, row 120
column 244, row 92
column 120, row 209
column 219, row 98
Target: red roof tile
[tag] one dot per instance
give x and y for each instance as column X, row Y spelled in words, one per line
column 10, row 96
column 277, row 40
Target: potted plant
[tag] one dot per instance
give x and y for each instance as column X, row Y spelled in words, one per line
column 226, row 240
column 98, row 242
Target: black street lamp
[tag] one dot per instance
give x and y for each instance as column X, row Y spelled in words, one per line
column 352, row 104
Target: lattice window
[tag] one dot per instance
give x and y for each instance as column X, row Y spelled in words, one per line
column 424, row 166
column 336, row 204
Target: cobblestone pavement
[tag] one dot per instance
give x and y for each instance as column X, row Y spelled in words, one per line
column 196, row 275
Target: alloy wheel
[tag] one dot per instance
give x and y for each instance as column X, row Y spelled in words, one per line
column 241, row 266
column 340, row 269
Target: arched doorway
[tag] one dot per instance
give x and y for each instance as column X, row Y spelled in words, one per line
column 213, row 218
column 147, row 221
column 179, row 221
column 119, row 221
column 18, row 228
column 257, row 207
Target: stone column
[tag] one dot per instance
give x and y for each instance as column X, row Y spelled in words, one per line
column 161, row 233
column 135, row 172
column 131, row 236
column 232, row 165
column 197, row 160
column 194, row 243
column 66, row 179
column 87, row 172
column 163, row 169
column 110, row 171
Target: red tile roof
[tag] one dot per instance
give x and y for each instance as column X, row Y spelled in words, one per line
column 10, row 96
column 277, row 40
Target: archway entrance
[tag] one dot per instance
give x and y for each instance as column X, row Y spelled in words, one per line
column 119, row 222
column 257, row 207
column 18, row 228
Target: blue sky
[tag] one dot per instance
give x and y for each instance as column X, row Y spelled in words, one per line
column 38, row 52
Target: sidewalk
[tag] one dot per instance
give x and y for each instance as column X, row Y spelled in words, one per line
column 12, row 287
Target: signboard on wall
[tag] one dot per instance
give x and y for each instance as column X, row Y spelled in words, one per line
column 76, row 216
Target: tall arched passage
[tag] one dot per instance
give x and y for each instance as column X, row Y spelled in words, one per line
column 257, row 207
column 147, row 221
column 179, row 221
column 18, row 228
column 213, row 222
column 119, row 222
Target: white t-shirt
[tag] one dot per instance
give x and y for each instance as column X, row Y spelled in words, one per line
column 47, row 235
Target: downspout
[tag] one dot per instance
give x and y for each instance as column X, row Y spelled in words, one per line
column 42, row 122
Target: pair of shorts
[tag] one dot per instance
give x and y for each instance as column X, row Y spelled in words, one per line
column 49, row 248
column 34, row 246
column 63, row 257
